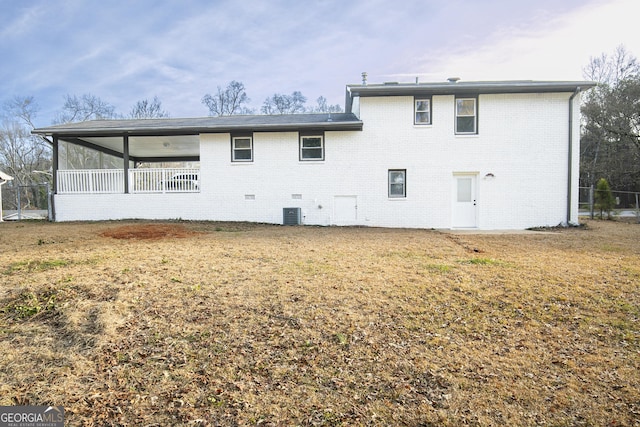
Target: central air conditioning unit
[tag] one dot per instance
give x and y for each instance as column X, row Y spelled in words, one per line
column 291, row 216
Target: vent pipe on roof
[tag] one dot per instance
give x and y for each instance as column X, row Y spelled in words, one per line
column 364, row 78
column 453, row 79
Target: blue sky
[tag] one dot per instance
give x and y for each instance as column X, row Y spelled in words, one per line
column 127, row 50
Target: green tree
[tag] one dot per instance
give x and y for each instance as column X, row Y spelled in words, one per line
column 604, row 200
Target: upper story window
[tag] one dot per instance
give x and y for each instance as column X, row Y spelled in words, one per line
column 466, row 115
column 312, row 147
column 242, row 149
column 422, row 111
column 397, row 183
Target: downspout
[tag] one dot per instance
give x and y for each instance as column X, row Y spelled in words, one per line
column 570, row 162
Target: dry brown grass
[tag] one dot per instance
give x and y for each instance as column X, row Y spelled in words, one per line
column 238, row 324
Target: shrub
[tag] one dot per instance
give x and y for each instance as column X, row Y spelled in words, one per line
column 604, row 200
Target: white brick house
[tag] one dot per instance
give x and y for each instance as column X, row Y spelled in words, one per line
column 485, row 155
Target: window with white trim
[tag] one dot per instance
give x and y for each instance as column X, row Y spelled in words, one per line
column 242, row 149
column 466, row 116
column 422, row 111
column 397, row 183
column 311, row 147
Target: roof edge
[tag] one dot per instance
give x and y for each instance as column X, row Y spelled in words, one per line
column 457, row 87
column 344, row 121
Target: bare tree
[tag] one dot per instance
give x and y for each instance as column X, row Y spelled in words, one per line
column 22, row 155
column 323, row 107
column 145, row 109
column 83, row 108
column 229, row 101
column 609, row 70
column 610, row 142
column 80, row 109
column 22, row 108
column 284, row 104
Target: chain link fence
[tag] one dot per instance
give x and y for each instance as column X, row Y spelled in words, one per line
column 627, row 203
column 20, row 202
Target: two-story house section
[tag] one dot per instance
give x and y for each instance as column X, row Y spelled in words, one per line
column 488, row 155
column 483, row 155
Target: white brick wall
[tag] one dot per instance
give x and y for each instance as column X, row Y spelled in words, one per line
column 522, row 142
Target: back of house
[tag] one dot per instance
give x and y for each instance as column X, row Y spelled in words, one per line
column 471, row 155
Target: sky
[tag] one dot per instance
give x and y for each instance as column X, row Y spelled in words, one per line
column 123, row 51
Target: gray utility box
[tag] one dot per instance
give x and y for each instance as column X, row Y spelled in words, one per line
column 291, row 216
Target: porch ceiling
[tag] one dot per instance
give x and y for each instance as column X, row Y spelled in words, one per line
column 164, row 146
column 178, row 139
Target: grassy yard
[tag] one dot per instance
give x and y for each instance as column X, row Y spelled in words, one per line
column 139, row 323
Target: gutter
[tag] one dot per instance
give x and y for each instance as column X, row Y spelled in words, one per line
column 570, row 159
column 462, row 87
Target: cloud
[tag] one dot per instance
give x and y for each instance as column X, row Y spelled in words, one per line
column 547, row 47
column 18, row 20
column 125, row 51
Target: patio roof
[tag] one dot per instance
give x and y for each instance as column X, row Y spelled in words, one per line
column 196, row 126
column 178, row 139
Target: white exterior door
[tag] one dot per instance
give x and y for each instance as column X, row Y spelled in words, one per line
column 345, row 210
column 465, row 213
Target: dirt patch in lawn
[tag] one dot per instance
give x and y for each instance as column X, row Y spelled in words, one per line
column 198, row 323
column 147, row 231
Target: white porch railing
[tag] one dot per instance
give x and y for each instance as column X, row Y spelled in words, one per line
column 169, row 180
column 97, row 181
column 90, row 181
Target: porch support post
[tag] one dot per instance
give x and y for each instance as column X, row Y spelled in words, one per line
column 55, row 164
column 125, row 158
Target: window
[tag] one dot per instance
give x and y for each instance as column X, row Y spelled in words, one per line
column 466, row 116
column 242, row 149
column 397, row 183
column 422, row 111
column 312, row 147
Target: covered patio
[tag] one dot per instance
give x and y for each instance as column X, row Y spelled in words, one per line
column 119, row 156
column 104, row 160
